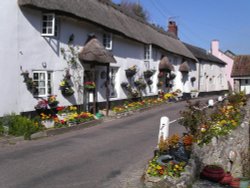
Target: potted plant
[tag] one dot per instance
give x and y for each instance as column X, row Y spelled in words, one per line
column 89, row 85
column 66, row 88
column 52, row 102
column 131, row 71
column 41, row 106
column 148, row 73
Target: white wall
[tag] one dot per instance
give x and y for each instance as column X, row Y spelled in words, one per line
column 9, row 66
column 210, row 77
column 25, row 47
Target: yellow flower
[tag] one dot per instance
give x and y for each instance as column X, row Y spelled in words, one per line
column 158, row 167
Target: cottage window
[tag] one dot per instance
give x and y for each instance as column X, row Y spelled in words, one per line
column 49, row 26
column 107, row 41
column 113, row 76
column 43, row 83
column 147, row 52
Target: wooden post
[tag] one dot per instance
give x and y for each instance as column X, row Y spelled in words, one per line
column 95, row 97
column 107, row 91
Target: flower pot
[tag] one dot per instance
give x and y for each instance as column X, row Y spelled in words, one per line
column 227, row 179
column 48, row 123
column 235, row 183
column 212, row 173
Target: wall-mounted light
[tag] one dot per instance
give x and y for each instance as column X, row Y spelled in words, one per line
column 44, row 64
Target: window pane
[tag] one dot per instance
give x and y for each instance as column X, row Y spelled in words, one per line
column 49, row 24
column 49, row 76
column 42, row 84
column 45, row 17
column 49, row 30
column 35, row 76
column 41, row 91
column 49, row 91
column 42, row 76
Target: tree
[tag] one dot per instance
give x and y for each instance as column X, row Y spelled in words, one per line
column 134, row 9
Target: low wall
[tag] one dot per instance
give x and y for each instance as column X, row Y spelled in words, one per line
column 217, row 152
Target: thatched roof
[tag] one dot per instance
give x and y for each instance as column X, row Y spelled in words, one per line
column 184, row 67
column 241, row 66
column 94, row 51
column 200, row 53
column 110, row 18
column 165, row 65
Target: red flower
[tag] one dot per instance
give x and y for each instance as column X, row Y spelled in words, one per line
column 60, row 108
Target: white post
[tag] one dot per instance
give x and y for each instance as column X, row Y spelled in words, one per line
column 220, row 98
column 210, row 103
column 164, row 128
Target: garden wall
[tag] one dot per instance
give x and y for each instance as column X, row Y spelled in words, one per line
column 217, row 152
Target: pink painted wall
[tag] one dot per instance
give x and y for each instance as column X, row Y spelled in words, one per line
column 215, row 50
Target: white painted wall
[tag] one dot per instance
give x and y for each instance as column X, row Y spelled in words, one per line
column 210, row 74
column 9, row 66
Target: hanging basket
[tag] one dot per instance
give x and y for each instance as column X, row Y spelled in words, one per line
column 148, row 73
column 130, row 73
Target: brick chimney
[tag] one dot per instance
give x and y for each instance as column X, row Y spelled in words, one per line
column 173, row 28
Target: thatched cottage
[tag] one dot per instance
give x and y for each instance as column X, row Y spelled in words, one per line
column 51, row 47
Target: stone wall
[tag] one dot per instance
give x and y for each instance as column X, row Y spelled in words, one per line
column 217, row 152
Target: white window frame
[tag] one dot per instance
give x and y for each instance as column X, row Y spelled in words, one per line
column 52, row 27
column 147, row 52
column 46, row 81
column 107, row 41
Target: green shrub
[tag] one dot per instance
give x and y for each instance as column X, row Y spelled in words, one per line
column 20, row 125
column 1, row 129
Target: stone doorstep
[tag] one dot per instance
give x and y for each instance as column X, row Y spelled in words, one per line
column 50, row 132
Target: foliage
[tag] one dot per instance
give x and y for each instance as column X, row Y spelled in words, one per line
column 20, row 126
column 131, row 71
column 193, row 117
column 71, row 54
column 140, row 83
column 66, row 86
column 52, row 102
column 221, row 121
column 172, row 169
column 28, row 80
column 42, row 104
column 134, row 9
column 89, row 85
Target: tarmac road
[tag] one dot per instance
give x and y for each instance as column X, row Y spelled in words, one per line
column 110, row 155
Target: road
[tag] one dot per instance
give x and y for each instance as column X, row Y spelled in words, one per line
column 110, row 155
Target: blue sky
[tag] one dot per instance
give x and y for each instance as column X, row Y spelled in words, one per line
column 200, row 21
